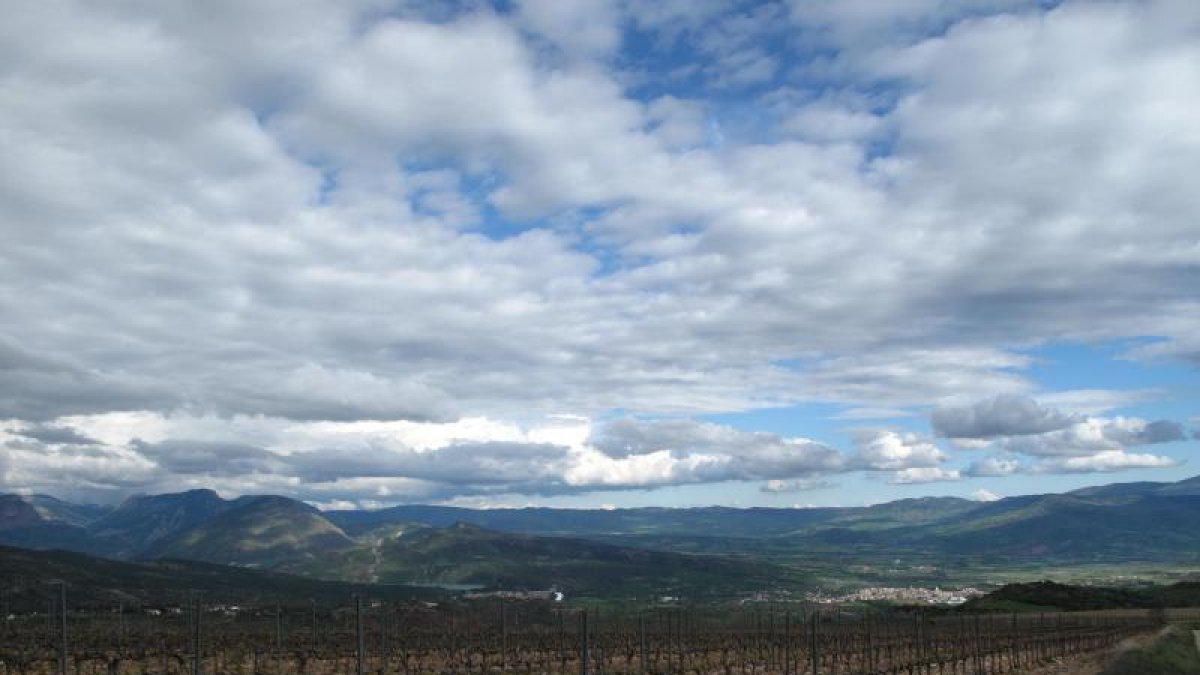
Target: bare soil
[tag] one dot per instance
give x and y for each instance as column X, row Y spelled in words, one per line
column 1092, row 663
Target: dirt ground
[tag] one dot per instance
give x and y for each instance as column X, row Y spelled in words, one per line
column 1093, row 663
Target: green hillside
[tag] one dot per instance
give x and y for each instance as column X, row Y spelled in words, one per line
column 468, row 555
column 1060, row 528
column 663, row 523
column 263, row 531
column 1070, row 527
column 1049, row 596
column 99, row 582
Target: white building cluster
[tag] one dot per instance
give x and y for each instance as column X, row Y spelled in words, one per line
column 906, row 595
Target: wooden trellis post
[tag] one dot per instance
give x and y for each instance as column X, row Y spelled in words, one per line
column 583, row 648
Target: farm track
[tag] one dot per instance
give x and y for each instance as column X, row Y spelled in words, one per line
column 376, row 560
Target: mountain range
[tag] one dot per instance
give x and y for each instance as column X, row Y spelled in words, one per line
column 648, row 549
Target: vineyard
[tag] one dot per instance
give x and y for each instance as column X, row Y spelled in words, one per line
column 532, row 637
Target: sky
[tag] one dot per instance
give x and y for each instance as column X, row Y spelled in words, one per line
column 598, row 253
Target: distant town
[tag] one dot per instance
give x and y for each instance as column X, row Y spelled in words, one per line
column 906, row 595
column 909, row 595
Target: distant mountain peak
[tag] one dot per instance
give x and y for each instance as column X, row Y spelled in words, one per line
column 258, row 529
column 185, row 495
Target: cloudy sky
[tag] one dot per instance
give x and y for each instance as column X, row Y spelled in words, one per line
column 598, row 252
